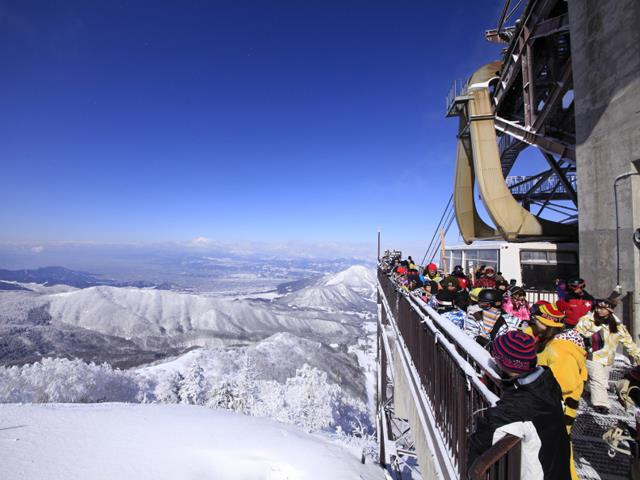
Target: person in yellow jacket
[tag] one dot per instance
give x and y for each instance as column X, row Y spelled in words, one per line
column 603, row 332
column 565, row 354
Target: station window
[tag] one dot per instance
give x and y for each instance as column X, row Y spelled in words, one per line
column 541, row 268
column 476, row 258
column 456, row 258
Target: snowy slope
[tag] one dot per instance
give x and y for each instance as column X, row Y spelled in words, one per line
column 138, row 442
column 330, row 298
column 349, row 290
column 357, row 277
column 135, row 314
column 274, row 358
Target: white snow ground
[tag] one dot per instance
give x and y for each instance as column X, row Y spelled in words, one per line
column 136, row 442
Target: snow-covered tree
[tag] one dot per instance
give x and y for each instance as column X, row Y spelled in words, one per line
column 168, row 388
column 244, row 395
column 237, row 392
column 194, row 387
column 64, row 380
column 310, row 399
column 222, row 395
column 270, row 401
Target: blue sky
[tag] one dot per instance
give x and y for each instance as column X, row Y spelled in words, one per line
column 135, row 121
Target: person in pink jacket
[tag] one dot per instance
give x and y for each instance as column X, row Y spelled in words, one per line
column 516, row 305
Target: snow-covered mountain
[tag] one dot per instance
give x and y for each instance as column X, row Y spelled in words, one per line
column 357, row 277
column 103, row 323
column 147, row 316
column 350, row 290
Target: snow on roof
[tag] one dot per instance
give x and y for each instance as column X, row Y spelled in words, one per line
column 138, row 442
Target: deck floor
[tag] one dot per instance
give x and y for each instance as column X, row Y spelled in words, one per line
column 591, row 452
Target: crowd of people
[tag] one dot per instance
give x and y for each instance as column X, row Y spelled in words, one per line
column 547, row 352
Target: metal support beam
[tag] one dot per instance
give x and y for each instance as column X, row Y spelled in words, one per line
column 551, row 26
column 513, row 56
column 528, row 92
column 528, row 179
column 546, row 202
column 561, row 87
column 561, row 173
column 547, row 144
column 534, row 187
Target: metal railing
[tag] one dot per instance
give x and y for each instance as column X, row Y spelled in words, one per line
column 520, row 185
column 506, row 142
column 458, row 88
column 493, row 464
column 535, row 295
column 453, row 384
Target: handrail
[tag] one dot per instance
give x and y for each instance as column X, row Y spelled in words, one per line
column 466, row 346
column 492, row 457
column 468, row 369
column 457, row 381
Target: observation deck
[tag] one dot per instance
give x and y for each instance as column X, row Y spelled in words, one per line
column 434, row 383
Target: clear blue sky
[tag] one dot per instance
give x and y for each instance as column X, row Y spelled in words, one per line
column 268, row 121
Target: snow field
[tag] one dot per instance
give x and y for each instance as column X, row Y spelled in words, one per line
column 139, row 442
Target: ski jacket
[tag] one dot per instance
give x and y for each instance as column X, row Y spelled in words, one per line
column 456, row 316
column 472, row 326
column 436, row 278
column 485, row 282
column 518, row 310
column 603, row 342
column 566, row 356
column 530, row 408
column 488, row 318
column 585, row 296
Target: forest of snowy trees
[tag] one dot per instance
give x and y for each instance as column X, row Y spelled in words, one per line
column 307, row 399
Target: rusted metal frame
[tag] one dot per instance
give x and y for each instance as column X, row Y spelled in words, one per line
column 503, row 36
column 528, row 92
column 543, row 142
column 508, row 73
column 551, row 26
column 511, row 67
column 492, row 456
column 561, row 87
column 561, row 174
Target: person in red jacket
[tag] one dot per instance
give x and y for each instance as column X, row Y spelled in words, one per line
column 488, row 280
